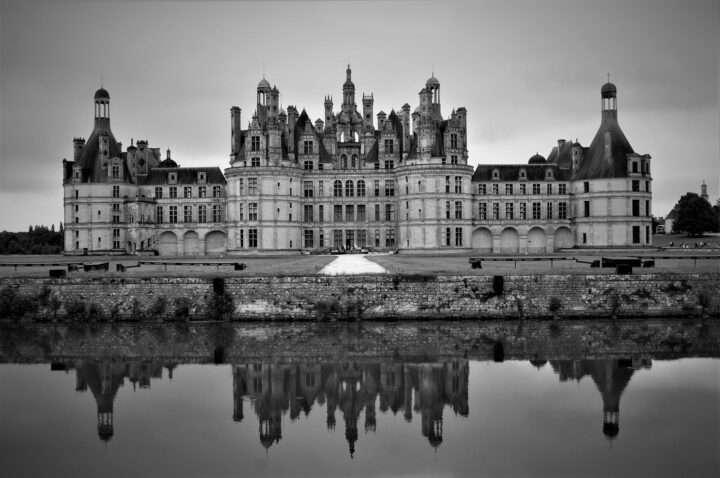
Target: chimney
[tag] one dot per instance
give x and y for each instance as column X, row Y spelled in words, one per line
column 235, row 128
column 78, row 144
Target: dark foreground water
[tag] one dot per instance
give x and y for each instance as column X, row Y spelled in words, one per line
column 453, row 417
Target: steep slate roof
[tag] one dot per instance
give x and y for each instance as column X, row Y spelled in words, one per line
column 88, row 159
column 511, row 172
column 185, row 175
column 372, row 155
column 594, row 165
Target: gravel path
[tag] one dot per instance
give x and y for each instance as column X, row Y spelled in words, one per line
column 352, row 264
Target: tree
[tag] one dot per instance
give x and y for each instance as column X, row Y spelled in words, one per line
column 695, row 215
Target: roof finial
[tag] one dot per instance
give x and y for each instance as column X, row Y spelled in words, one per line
column 101, row 81
column 608, row 75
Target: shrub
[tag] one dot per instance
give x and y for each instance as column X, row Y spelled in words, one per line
column 14, row 305
column 157, row 308
column 554, row 305
column 75, row 309
column 182, row 308
column 220, row 306
column 95, row 312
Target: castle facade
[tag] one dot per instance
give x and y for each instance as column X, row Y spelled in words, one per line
column 398, row 181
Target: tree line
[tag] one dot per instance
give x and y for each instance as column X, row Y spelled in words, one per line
column 37, row 240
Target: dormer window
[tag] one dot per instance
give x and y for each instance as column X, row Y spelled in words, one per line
column 548, row 174
column 172, row 178
column 115, row 171
column 523, row 174
column 201, row 177
column 495, row 174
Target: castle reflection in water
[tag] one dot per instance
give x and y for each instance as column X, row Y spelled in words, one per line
column 273, row 390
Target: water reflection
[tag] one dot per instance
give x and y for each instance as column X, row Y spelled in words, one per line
column 352, row 389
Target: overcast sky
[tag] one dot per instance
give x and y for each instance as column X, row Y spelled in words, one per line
column 528, row 73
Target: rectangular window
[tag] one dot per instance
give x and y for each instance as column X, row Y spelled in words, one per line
column 447, row 236
column 508, row 189
column 309, row 239
column 458, row 209
column 562, row 188
column 389, row 212
column 586, row 205
column 116, row 191
column 159, row 214
column 496, row 211
column 523, row 210
column 361, row 238
column 536, row 210
column 241, row 187
column 636, row 207
column 495, row 189
column 509, row 210
column 636, row 234
column 389, row 164
column 255, row 143
column 252, row 238
column 586, row 186
column 187, row 192
column 647, row 186
column 482, row 189
column 562, row 210
column 337, row 213
column 337, row 238
column 187, row 213
column 453, row 159
column 390, row 238
column 389, row 187
column 549, row 188
column 173, row 214
column 377, row 187
column 634, row 167
column 523, row 188
column 308, row 213
column 202, row 191
column 447, row 184
column 158, row 192
column 308, row 148
column 217, row 213
column 253, row 211
column 252, row 186
column 647, row 208
column 115, row 171
column 255, row 162
column 116, row 232
column 453, row 141
column 361, row 217
column 308, row 189
column 115, row 207
column 635, row 185
column 217, row 191
column 458, row 236
column 549, row 209
column 321, row 210
column 458, row 184
column 447, row 210
column 307, row 165
column 349, row 213
column 320, row 189
column 173, row 192
column 202, row 213
column 389, row 146
column 377, row 213
column 536, row 188
column 647, row 234
column 482, row 211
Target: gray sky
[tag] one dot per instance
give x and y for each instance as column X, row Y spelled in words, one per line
column 528, row 73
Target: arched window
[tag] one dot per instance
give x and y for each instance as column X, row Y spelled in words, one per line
column 354, row 161
column 337, row 188
column 349, row 189
column 343, row 160
column 361, row 188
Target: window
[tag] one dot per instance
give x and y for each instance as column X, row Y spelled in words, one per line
column 255, row 162
column 562, row 210
column 77, row 194
column 349, row 213
column 635, row 207
column 202, row 213
column 217, row 192
column 389, row 187
column 187, row 192
column 647, row 208
column 636, row 234
column 354, row 163
column 159, row 214
column 115, row 171
column 202, row 190
column 549, row 210
column 453, row 141
column 584, row 237
column 536, row 188
column 337, row 238
column 458, row 236
column 496, row 211
column 635, row 185
column 321, row 210
column 447, row 209
column 349, row 189
column 308, row 148
column 536, row 210
column 253, row 211
column 562, row 188
column 647, row 234
column 361, row 238
column 482, row 189
column 482, row 211
column 158, row 192
column 377, row 212
column 337, row 188
column 453, row 159
column 458, row 184
column 361, row 217
column 634, row 167
column 337, row 213
column 172, row 178
column 241, row 187
column 549, row 188
column 321, row 239
column 320, row 167
column 116, row 191
column 187, row 213
column 389, row 212
column 252, row 237
column 389, row 147
column 361, row 188
column 509, row 210
column 307, row 165
column 343, row 161
column 255, row 143
column 173, row 192
column 458, row 209
column 308, row 213
column 308, row 189
column 523, row 188
column 523, row 210
column 647, row 186
column 447, row 184
column 586, row 186
column 508, row 189
column 586, row 205
column 447, row 237
column 217, row 213
column 443, row 161
column 115, row 208
column 390, row 238
column 173, row 214
column 495, row 189
column 377, row 187
column 389, row 164
column 308, row 238
column 252, row 186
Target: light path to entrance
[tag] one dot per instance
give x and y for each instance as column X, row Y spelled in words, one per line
column 352, row 264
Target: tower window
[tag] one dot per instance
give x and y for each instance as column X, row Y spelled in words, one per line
column 255, row 143
column 453, row 141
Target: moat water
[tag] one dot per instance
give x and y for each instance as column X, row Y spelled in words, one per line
column 454, row 416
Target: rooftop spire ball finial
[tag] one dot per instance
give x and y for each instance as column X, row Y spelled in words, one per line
column 608, row 75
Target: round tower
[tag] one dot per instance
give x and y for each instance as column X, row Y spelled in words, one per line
column 102, row 107
column 608, row 97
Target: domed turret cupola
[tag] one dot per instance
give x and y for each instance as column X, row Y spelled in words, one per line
column 348, row 90
column 537, row 159
column 168, row 162
column 102, row 107
column 608, row 95
column 432, row 86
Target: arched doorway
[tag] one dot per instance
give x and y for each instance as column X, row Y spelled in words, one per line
column 509, row 241
column 168, row 244
column 191, row 244
column 563, row 238
column 215, row 243
column 482, row 240
column 536, row 241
